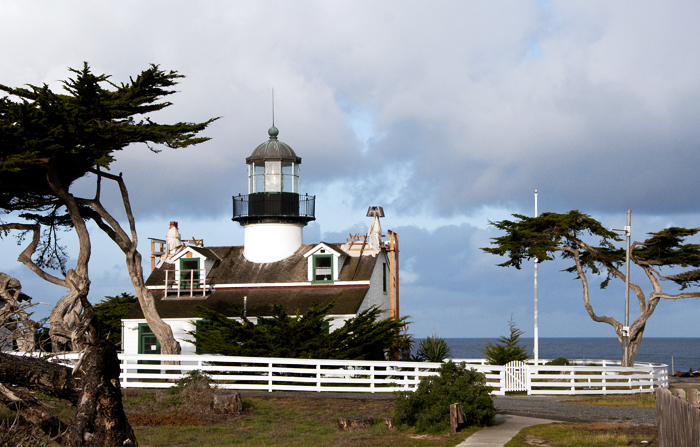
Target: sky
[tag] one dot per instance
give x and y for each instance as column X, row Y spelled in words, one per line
column 448, row 114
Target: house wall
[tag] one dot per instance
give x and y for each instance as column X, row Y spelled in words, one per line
column 376, row 295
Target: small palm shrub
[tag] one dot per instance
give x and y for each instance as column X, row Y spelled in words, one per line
column 428, row 408
column 508, row 349
column 433, row 349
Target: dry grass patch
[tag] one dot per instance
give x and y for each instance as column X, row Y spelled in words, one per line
column 586, row 435
column 641, row 400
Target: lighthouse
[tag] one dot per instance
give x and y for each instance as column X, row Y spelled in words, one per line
column 273, row 213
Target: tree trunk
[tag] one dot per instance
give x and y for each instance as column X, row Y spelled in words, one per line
column 32, row 412
column 100, row 418
column 94, row 389
column 160, row 328
column 111, row 227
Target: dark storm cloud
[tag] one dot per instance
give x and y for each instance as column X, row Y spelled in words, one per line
column 436, row 111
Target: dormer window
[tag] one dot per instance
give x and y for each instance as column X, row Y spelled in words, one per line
column 323, row 268
column 189, row 273
column 325, row 262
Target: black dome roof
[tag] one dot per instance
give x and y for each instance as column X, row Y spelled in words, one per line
column 273, row 149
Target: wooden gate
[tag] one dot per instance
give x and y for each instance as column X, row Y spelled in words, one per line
column 516, row 376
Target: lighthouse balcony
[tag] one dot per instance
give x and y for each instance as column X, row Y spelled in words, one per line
column 274, row 207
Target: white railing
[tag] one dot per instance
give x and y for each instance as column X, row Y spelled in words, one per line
column 188, row 282
column 281, row 374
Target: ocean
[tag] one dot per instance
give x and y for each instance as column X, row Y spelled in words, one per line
column 684, row 353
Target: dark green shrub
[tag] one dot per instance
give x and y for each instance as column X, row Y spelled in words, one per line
column 428, row 408
column 433, row 349
column 508, row 349
column 365, row 337
column 560, row 361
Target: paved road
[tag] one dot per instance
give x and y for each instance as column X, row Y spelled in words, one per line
column 548, row 407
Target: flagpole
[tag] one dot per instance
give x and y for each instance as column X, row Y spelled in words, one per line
column 537, row 347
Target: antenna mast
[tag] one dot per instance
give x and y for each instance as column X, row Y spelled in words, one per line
column 273, row 107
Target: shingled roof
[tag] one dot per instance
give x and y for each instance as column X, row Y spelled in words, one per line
column 232, row 268
column 292, row 299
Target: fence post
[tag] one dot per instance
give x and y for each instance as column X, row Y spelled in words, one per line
column 318, row 377
column 371, row 377
column 269, row 381
column 573, row 380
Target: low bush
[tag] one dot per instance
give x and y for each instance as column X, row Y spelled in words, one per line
column 433, row 349
column 428, row 408
column 559, row 361
column 193, row 389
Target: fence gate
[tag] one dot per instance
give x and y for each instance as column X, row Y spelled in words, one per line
column 516, row 376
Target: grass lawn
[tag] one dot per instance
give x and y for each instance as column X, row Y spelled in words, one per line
column 163, row 419
column 160, row 418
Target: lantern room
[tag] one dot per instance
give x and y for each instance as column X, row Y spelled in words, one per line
column 273, row 213
column 273, row 167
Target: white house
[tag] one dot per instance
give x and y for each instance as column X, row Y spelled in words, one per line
column 273, row 266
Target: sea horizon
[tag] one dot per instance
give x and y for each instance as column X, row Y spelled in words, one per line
column 679, row 353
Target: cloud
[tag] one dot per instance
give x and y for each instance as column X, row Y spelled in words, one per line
column 447, row 114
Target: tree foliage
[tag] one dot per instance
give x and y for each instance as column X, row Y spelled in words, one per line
column 364, row 337
column 590, row 247
column 47, row 141
column 74, row 133
column 110, row 312
column 507, row 349
column 428, row 408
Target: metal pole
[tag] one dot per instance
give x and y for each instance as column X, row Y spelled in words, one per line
column 626, row 328
column 537, row 348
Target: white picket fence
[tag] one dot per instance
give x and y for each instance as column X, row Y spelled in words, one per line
column 281, row 374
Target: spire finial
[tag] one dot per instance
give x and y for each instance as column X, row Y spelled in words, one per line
column 272, row 131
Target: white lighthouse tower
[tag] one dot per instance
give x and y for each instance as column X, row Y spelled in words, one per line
column 273, row 214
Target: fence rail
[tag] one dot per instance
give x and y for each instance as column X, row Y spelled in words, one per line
column 282, row 374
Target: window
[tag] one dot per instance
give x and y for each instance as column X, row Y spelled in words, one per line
column 384, row 277
column 148, row 344
column 322, row 268
column 189, row 273
column 259, row 177
column 273, row 176
column 287, row 177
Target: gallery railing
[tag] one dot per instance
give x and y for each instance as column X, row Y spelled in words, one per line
column 283, row 204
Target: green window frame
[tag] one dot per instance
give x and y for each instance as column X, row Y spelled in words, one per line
column 322, row 269
column 189, row 273
column 148, row 344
